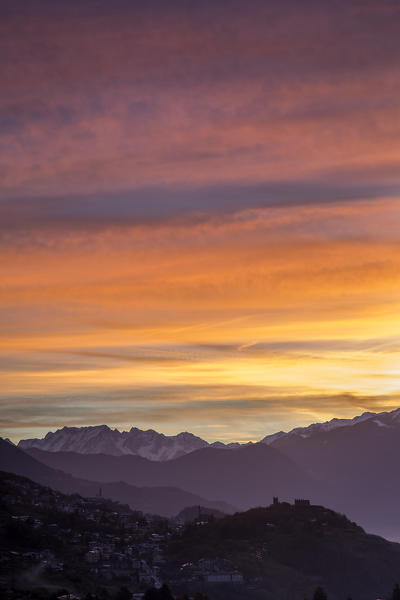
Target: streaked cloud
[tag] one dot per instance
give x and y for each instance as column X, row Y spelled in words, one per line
column 213, row 411
column 199, row 213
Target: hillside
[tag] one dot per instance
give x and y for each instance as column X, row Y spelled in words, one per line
column 246, row 476
column 348, row 464
column 164, row 500
column 359, row 466
column 200, row 513
column 50, row 541
column 284, row 552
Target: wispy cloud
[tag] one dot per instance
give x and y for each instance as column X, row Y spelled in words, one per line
column 232, row 414
column 201, row 199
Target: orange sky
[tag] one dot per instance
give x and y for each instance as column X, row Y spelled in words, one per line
column 199, row 216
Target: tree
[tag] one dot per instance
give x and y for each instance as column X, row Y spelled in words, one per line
column 396, row 592
column 151, row 594
column 102, row 594
column 165, row 593
column 123, row 594
column 320, row 594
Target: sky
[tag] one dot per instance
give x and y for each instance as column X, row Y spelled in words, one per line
column 199, row 214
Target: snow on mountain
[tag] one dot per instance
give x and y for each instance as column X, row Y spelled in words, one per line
column 269, row 439
column 150, row 444
column 157, row 446
column 228, row 446
column 384, row 419
column 102, row 439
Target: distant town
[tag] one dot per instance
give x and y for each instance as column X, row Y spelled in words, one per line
column 66, row 547
column 66, row 540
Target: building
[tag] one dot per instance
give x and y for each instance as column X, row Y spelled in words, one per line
column 221, row 577
column 301, row 502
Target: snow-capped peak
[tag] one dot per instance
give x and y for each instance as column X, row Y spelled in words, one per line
column 150, row 444
column 101, row 439
column 384, row 419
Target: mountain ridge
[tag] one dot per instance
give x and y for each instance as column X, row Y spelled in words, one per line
column 153, row 445
column 165, row 500
column 245, row 476
column 315, row 428
column 288, row 549
column 101, row 439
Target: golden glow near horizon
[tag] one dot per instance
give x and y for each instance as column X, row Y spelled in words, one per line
column 199, row 216
column 250, row 328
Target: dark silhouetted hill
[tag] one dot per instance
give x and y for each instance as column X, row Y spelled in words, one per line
column 360, row 468
column 285, row 552
column 349, row 464
column 164, row 500
column 199, row 513
column 245, row 476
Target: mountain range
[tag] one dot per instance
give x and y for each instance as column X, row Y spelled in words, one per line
column 247, row 476
column 350, row 465
column 384, row 419
column 163, row 500
column 101, row 439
